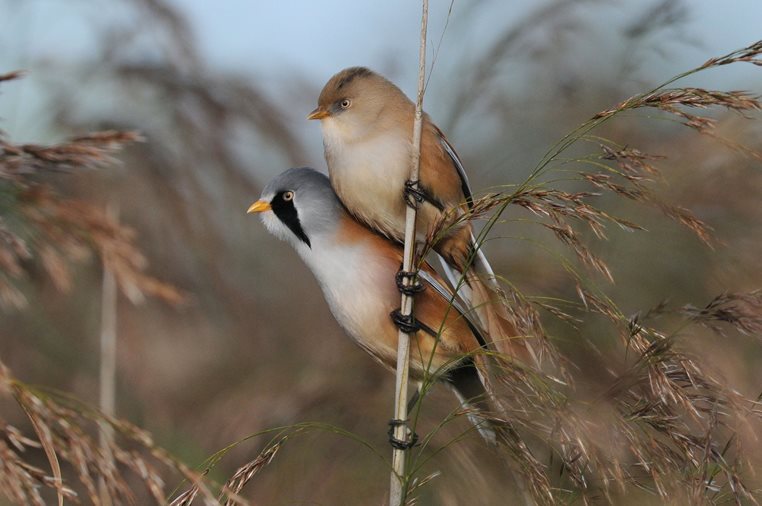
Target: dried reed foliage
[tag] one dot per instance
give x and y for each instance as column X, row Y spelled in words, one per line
column 544, row 410
column 622, row 170
column 664, row 423
column 230, row 492
column 739, row 311
column 39, row 226
column 658, row 420
column 64, row 430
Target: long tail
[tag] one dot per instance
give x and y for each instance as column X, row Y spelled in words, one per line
column 483, row 293
column 489, row 302
column 470, row 385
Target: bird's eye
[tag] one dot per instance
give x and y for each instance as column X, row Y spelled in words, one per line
column 288, row 196
column 344, row 104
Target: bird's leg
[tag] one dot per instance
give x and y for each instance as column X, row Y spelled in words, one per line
column 394, row 423
column 414, row 196
column 413, row 286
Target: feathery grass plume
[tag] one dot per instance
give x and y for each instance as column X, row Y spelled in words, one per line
column 748, row 54
column 65, row 431
column 740, row 311
column 231, row 490
column 658, row 424
column 678, row 418
column 669, row 422
column 38, row 223
column 604, row 447
column 10, row 76
column 632, row 166
column 245, row 473
column 416, row 484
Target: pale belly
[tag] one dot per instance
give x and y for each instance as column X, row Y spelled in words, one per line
column 369, row 178
column 360, row 290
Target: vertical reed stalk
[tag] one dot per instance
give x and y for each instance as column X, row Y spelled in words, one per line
column 397, row 488
column 107, row 363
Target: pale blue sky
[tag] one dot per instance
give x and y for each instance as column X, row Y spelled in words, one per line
column 319, row 37
column 313, row 39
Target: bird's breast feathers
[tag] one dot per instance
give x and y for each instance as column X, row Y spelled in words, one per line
column 369, row 174
column 359, row 288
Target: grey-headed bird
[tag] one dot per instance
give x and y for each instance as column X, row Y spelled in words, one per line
column 356, row 269
column 367, row 125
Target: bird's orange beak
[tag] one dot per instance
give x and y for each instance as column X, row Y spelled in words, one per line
column 319, row 113
column 259, row 206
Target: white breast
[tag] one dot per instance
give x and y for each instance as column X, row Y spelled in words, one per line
column 359, row 288
column 369, row 174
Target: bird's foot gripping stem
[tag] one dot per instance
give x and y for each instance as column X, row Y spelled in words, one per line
column 399, row 444
column 412, row 287
column 414, row 196
column 405, row 322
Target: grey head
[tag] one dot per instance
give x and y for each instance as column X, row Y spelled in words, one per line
column 299, row 206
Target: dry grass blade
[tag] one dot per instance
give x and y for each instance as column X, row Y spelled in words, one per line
column 66, row 432
column 89, row 151
column 9, row 76
column 245, row 473
column 186, row 498
column 748, row 54
column 46, row 440
column 635, row 168
column 741, row 311
column 666, row 412
column 58, row 231
column 669, row 99
column 417, row 483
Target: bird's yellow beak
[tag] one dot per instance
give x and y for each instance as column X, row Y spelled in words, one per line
column 319, row 113
column 259, row 206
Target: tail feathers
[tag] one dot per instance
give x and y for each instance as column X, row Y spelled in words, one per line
column 454, row 278
column 489, row 302
column 506, row 338
column 468, row 385
column 482, row 292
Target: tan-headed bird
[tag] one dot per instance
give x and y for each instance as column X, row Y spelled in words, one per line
column 367, row 125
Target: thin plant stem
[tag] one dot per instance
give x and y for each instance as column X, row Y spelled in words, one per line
column 107, row 364
column 398, row 479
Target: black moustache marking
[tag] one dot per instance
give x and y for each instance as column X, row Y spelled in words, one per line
column 286, row 212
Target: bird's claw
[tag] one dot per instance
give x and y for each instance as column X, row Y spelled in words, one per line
column 406, row 323
column 400, row 444
column 414, row 196
column 412, row 287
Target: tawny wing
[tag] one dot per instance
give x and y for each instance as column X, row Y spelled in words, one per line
column 468, row 379
column 458, row 309
column 464, row 185
column 442, row 174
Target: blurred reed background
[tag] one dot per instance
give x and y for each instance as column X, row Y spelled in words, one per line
column 233, row 336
